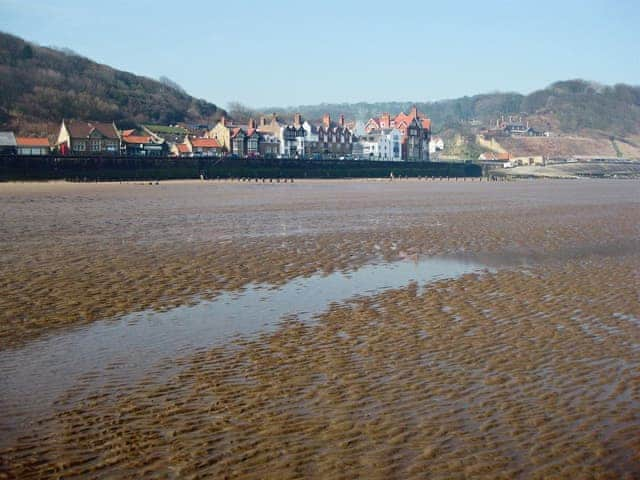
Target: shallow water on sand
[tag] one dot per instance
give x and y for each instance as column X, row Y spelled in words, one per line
column 125, row 348
column 244, row 362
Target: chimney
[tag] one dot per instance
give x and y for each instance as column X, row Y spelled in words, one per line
column 342, row 120
column 297, row 119
column 263, row 121
column 385, row 120
column 252, row 123
column 414, row 112
column 326, row 120
column 223, row 121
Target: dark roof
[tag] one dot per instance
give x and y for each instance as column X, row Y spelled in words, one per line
column 80, row 129
column 236, row 131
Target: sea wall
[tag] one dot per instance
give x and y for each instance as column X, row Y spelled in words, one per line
column 20, row 168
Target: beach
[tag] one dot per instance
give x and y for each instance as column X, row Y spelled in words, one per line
column 320, row 329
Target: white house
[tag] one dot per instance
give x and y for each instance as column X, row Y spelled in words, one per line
column 309, row 142
column 292, row 140
column 383, row 145
column 436, row 144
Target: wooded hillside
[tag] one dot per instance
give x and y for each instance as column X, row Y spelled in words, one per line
column 40, row 85
column 569, row 107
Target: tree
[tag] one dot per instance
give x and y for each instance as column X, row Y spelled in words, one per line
column 171, row 84
column 240, row 112
column 27, row 52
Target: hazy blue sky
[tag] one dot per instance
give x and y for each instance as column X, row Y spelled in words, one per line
column 284, row 52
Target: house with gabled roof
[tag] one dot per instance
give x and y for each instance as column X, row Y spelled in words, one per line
column 288, row 139
column 241, row 140
column 334, row 138
column 80, row 137
column 252, row 140
column 222, row 133
column 415, row 130
column 238, row 141
column 180, row 150
column 203, row 147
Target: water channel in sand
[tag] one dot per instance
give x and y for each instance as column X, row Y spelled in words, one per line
column 120, row 350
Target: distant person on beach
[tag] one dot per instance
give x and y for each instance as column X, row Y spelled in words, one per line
column 391, row 177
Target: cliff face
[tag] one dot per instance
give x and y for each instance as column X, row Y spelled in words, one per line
column 566, row 146
column 39, row 86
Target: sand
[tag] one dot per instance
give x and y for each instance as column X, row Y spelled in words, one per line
column 528, row 371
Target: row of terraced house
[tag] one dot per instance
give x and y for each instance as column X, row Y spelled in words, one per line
column 402, row 137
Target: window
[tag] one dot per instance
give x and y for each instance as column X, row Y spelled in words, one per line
column 95, row 145
column 238, row 145
column 80, row 146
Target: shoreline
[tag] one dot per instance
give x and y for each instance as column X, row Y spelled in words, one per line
column 251, row 181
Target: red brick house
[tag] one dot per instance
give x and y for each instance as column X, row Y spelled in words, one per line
column 415, row 129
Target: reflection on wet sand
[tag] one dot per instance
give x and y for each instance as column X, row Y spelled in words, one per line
column 512, row 374
column 123, row 349
column 525, row 371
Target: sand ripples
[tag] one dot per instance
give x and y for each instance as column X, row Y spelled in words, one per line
column 527, row 372
column 73, row 254
column 502, row 375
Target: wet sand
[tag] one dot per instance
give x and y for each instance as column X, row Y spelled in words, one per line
column 527, row 371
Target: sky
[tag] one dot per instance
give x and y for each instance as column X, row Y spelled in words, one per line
column 288, row 52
